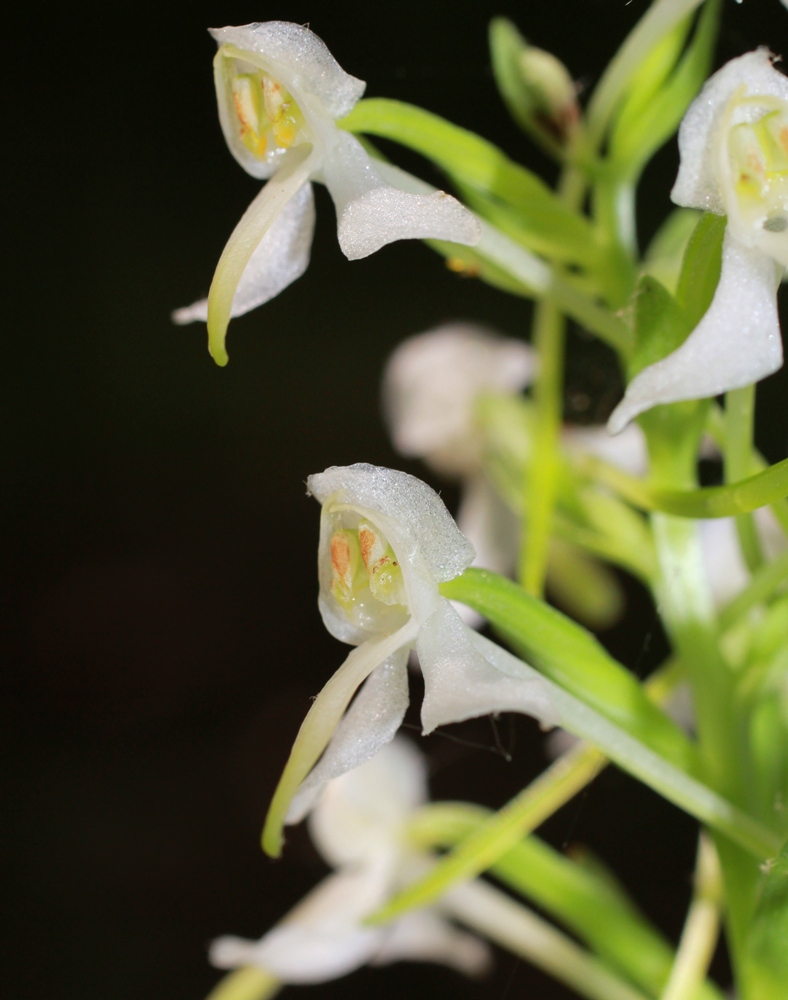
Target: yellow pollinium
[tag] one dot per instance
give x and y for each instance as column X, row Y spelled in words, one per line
column 266, row 111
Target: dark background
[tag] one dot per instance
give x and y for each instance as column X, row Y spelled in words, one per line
column 161, row 640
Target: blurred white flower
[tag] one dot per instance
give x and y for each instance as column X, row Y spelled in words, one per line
column 359, row 827
column 431, row 386
column 386, row 542
column 280, row 93
column 734, row 161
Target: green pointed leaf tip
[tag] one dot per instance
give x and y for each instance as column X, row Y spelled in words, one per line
column 662, row 322
column 700, row 270
column 569, row 655
column 670, row 87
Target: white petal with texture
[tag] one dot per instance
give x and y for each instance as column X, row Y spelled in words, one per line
column 281, row 257
column 697, row 184
column 462, row 681
column 369, row 724
column 735, row 344
column 404, row 498
column 305, row 62
column 372, row 213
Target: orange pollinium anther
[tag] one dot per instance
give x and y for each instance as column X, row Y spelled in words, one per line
column 340, row 555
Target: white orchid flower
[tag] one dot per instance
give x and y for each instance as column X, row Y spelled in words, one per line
column 386, row 542
column 734, row 161
column 280, row 93
column 359, row 827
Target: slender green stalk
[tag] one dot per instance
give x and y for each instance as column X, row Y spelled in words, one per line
column 248, row 983
column 544, row 796
column 541, row 485
column 739, row 419
column 762, row 586
column 701, row 928
column 688, row 615
column 542, row 477
column 741, row 497
column 512, row 926
column 590, row 905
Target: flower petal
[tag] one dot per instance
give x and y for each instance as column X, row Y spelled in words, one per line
column 246, row 237
column 362, row 816
column 406, row 499
column 464, row 678
column 321, row 721
column 369, row 724
column 697, row 184
column 372, row 213
column 323, row 937
column 299, row 59
column 424, row 936
column 736, row 343
column 281, row 256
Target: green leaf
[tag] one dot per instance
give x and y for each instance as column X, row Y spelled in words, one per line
column 588, row 901
column 766, row 949
column 649, row 79
column 700, row 270
column 663, row 90
column 748, row 494
column 665, row 252
column 660, row 325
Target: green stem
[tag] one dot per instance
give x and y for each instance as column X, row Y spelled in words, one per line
column 593, row 907
column 701, row 928
column 688, row 615
column 539, row 800
column 512, row 926
column 739, row 419
column 741, row 497
column 542, row 477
